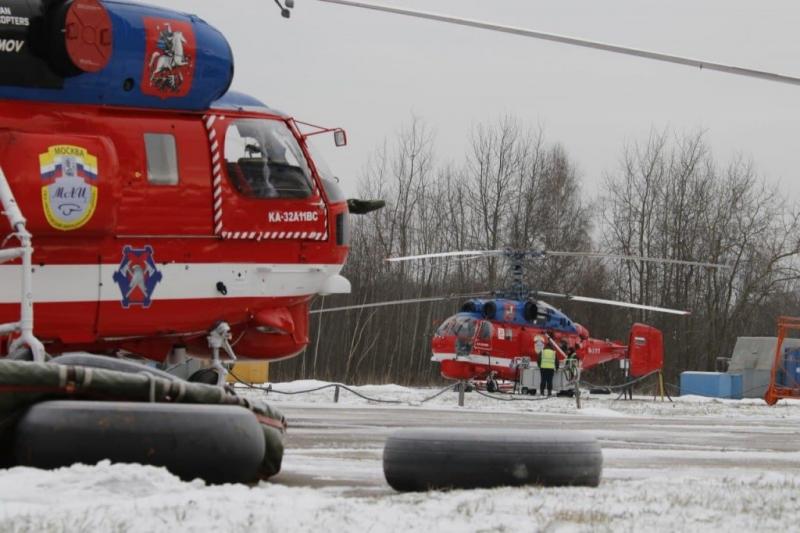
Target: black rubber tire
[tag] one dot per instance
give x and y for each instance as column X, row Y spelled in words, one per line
column 209, row 376
column 21, row 354
column 217, row 443
column 24, row 354
column 423, row 459
column 110, row 363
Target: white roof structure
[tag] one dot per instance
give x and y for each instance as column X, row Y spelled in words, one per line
column 756, row 353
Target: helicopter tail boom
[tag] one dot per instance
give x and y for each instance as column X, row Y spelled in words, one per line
column 644, row 352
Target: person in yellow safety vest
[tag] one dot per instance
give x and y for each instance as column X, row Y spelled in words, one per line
column 548, row 363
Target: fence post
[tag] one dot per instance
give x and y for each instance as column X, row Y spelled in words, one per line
column 336, row 394
column 461, row 388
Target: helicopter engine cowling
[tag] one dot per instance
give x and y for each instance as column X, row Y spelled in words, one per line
column 530, row 310
column 471, row 306
column 117, row 53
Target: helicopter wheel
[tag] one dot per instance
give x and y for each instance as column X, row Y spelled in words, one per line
column 209, row 376
column 21, row 354
column 525, row 390
column 424, row 459
column 24, row 354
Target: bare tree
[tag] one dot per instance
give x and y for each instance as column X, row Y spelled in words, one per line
column 672, row 200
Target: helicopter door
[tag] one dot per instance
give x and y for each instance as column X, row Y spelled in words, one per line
column 66, row 186
column 263, row 185
column 483, row 337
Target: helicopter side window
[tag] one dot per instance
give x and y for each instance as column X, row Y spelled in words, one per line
column 329, row 181
column 264, row 160
column 485, row 333
column 162, row 158
column 464, row 327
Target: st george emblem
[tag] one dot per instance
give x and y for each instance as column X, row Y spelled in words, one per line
column 69, row 190
column 137, row 276
column 169, row 58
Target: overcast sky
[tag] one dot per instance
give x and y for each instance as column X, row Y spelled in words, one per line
column 368, row 72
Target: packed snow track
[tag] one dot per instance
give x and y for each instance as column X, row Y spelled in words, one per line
column 696, row 464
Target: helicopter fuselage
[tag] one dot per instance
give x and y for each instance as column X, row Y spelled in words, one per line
column 161, row 204
column 499, row 336
column 125, row 261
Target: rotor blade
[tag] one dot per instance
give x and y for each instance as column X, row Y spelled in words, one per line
column 576, row 41
column 637, row 258
column 397, row 302
column 475, row 253
column 613, row 302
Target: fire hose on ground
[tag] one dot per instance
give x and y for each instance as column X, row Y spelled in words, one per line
column 460, row 387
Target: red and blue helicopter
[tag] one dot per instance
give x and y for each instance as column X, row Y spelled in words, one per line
column 158, row 213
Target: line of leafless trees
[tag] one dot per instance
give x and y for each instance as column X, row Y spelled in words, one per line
column 668, row 198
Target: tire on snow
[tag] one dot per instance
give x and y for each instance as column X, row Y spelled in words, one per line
column 217, row 443
column 423, row 459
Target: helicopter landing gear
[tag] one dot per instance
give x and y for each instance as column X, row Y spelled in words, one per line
column 24, row 353
column 491, row 383
column 219, row 337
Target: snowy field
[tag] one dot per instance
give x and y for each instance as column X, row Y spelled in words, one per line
column 692, row 465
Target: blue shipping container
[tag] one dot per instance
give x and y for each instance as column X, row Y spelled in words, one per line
column 711, row 384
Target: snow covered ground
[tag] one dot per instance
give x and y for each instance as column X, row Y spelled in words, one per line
column 594, row 404
column 692, row 465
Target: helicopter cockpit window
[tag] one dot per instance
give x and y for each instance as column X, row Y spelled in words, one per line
column 162, row 158
column 464, row 327
column 446, row 328
column 264, row 160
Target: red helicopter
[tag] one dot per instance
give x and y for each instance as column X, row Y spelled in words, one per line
column 495, row 338
column 169, row 215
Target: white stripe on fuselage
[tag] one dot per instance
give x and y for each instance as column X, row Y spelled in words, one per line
column 180, row 281
column 472, row 358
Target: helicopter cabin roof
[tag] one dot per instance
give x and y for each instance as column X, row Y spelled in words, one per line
column 541, row 315
column 236, row 101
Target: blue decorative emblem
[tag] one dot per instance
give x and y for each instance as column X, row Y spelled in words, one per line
column 137, row 276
